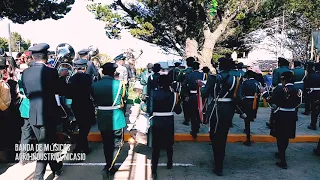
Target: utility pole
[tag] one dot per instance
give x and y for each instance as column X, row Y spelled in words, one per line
column 9, row 40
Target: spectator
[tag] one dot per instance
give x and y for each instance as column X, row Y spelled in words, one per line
column 268, row 78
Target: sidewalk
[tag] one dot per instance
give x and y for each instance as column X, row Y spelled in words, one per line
column 259, row 130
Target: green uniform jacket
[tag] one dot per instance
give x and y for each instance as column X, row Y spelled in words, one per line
column 299, row 75
column 277, row 74
column 237, row 73
column 25, row 103
column 181, row 78
column 104, row 94
column 144, row 81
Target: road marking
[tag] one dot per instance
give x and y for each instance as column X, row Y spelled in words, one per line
column 130, row 164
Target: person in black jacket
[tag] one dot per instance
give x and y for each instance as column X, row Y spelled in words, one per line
column 82, row 105
column 250, row 90
column 286, row 98
column 91, row 70
column 163, row 104
column 40, row 86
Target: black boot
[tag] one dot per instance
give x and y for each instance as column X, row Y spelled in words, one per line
column 154, row 176
column 106, row 175
column 282, row 165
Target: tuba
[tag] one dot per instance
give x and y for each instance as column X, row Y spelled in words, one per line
column 64, row 56
column 93, row 52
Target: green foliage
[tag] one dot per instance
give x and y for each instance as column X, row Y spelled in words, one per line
column 21, row 11
column 104, row 58
column 216, row 56
column 4, row 44
column 15, row 37
column 214, row 7
column 145, row 31
column 240, row 16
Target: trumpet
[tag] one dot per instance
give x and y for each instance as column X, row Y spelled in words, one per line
column 64, row 56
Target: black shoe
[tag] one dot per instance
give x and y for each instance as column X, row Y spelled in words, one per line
column 217, row 172
column 277, row 155
column 305, row 113
column 154, row 176
column 105, row 174
column 316, row 152
column 282, row 165
column 169, row 165
column 185, row 123
column 312, row 128
column 247, row 143
column 194, row 135
column 58, row 173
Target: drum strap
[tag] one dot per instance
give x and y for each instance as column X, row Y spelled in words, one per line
column 118, row 93
column 174, row 101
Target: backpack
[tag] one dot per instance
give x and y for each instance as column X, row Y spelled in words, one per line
column 5, row 96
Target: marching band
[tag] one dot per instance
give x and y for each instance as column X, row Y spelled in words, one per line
column 74, row 87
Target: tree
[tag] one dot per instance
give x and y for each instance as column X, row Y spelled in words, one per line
column 4, row 43
column 16, row 39
column 291, row 29
column 21, row 11
column 192, row 28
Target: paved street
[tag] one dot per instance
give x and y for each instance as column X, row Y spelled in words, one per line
column 258, row 127
column 247, row 163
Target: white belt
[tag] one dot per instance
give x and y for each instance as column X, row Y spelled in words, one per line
column 315, row 89
column 287, row 109
column 162, row 114
column 249, row 97
column 224, row 100
column 193, row 92
column 299, row 82
column 280, row 84
column 109, row 107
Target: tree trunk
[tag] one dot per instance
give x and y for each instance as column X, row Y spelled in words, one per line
column 210, row 40
column 191, row 48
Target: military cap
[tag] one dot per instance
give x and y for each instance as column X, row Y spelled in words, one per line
column 297, row 63
column 156, row 67
column 177, row 63
column 283, row 61
column 83, row 52
column 205, row 69
column 3, row 64
column 250, row 74
column 287, row 76
column 39, row 48
column 150, row 66
column 240, row 65
column 109, row 67
column 120, row 57
column 81, row 63
column 190, row 59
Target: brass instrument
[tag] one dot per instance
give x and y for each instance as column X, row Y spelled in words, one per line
column 94, row 51
column 64, row 56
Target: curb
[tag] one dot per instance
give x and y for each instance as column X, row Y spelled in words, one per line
column 232, row 138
